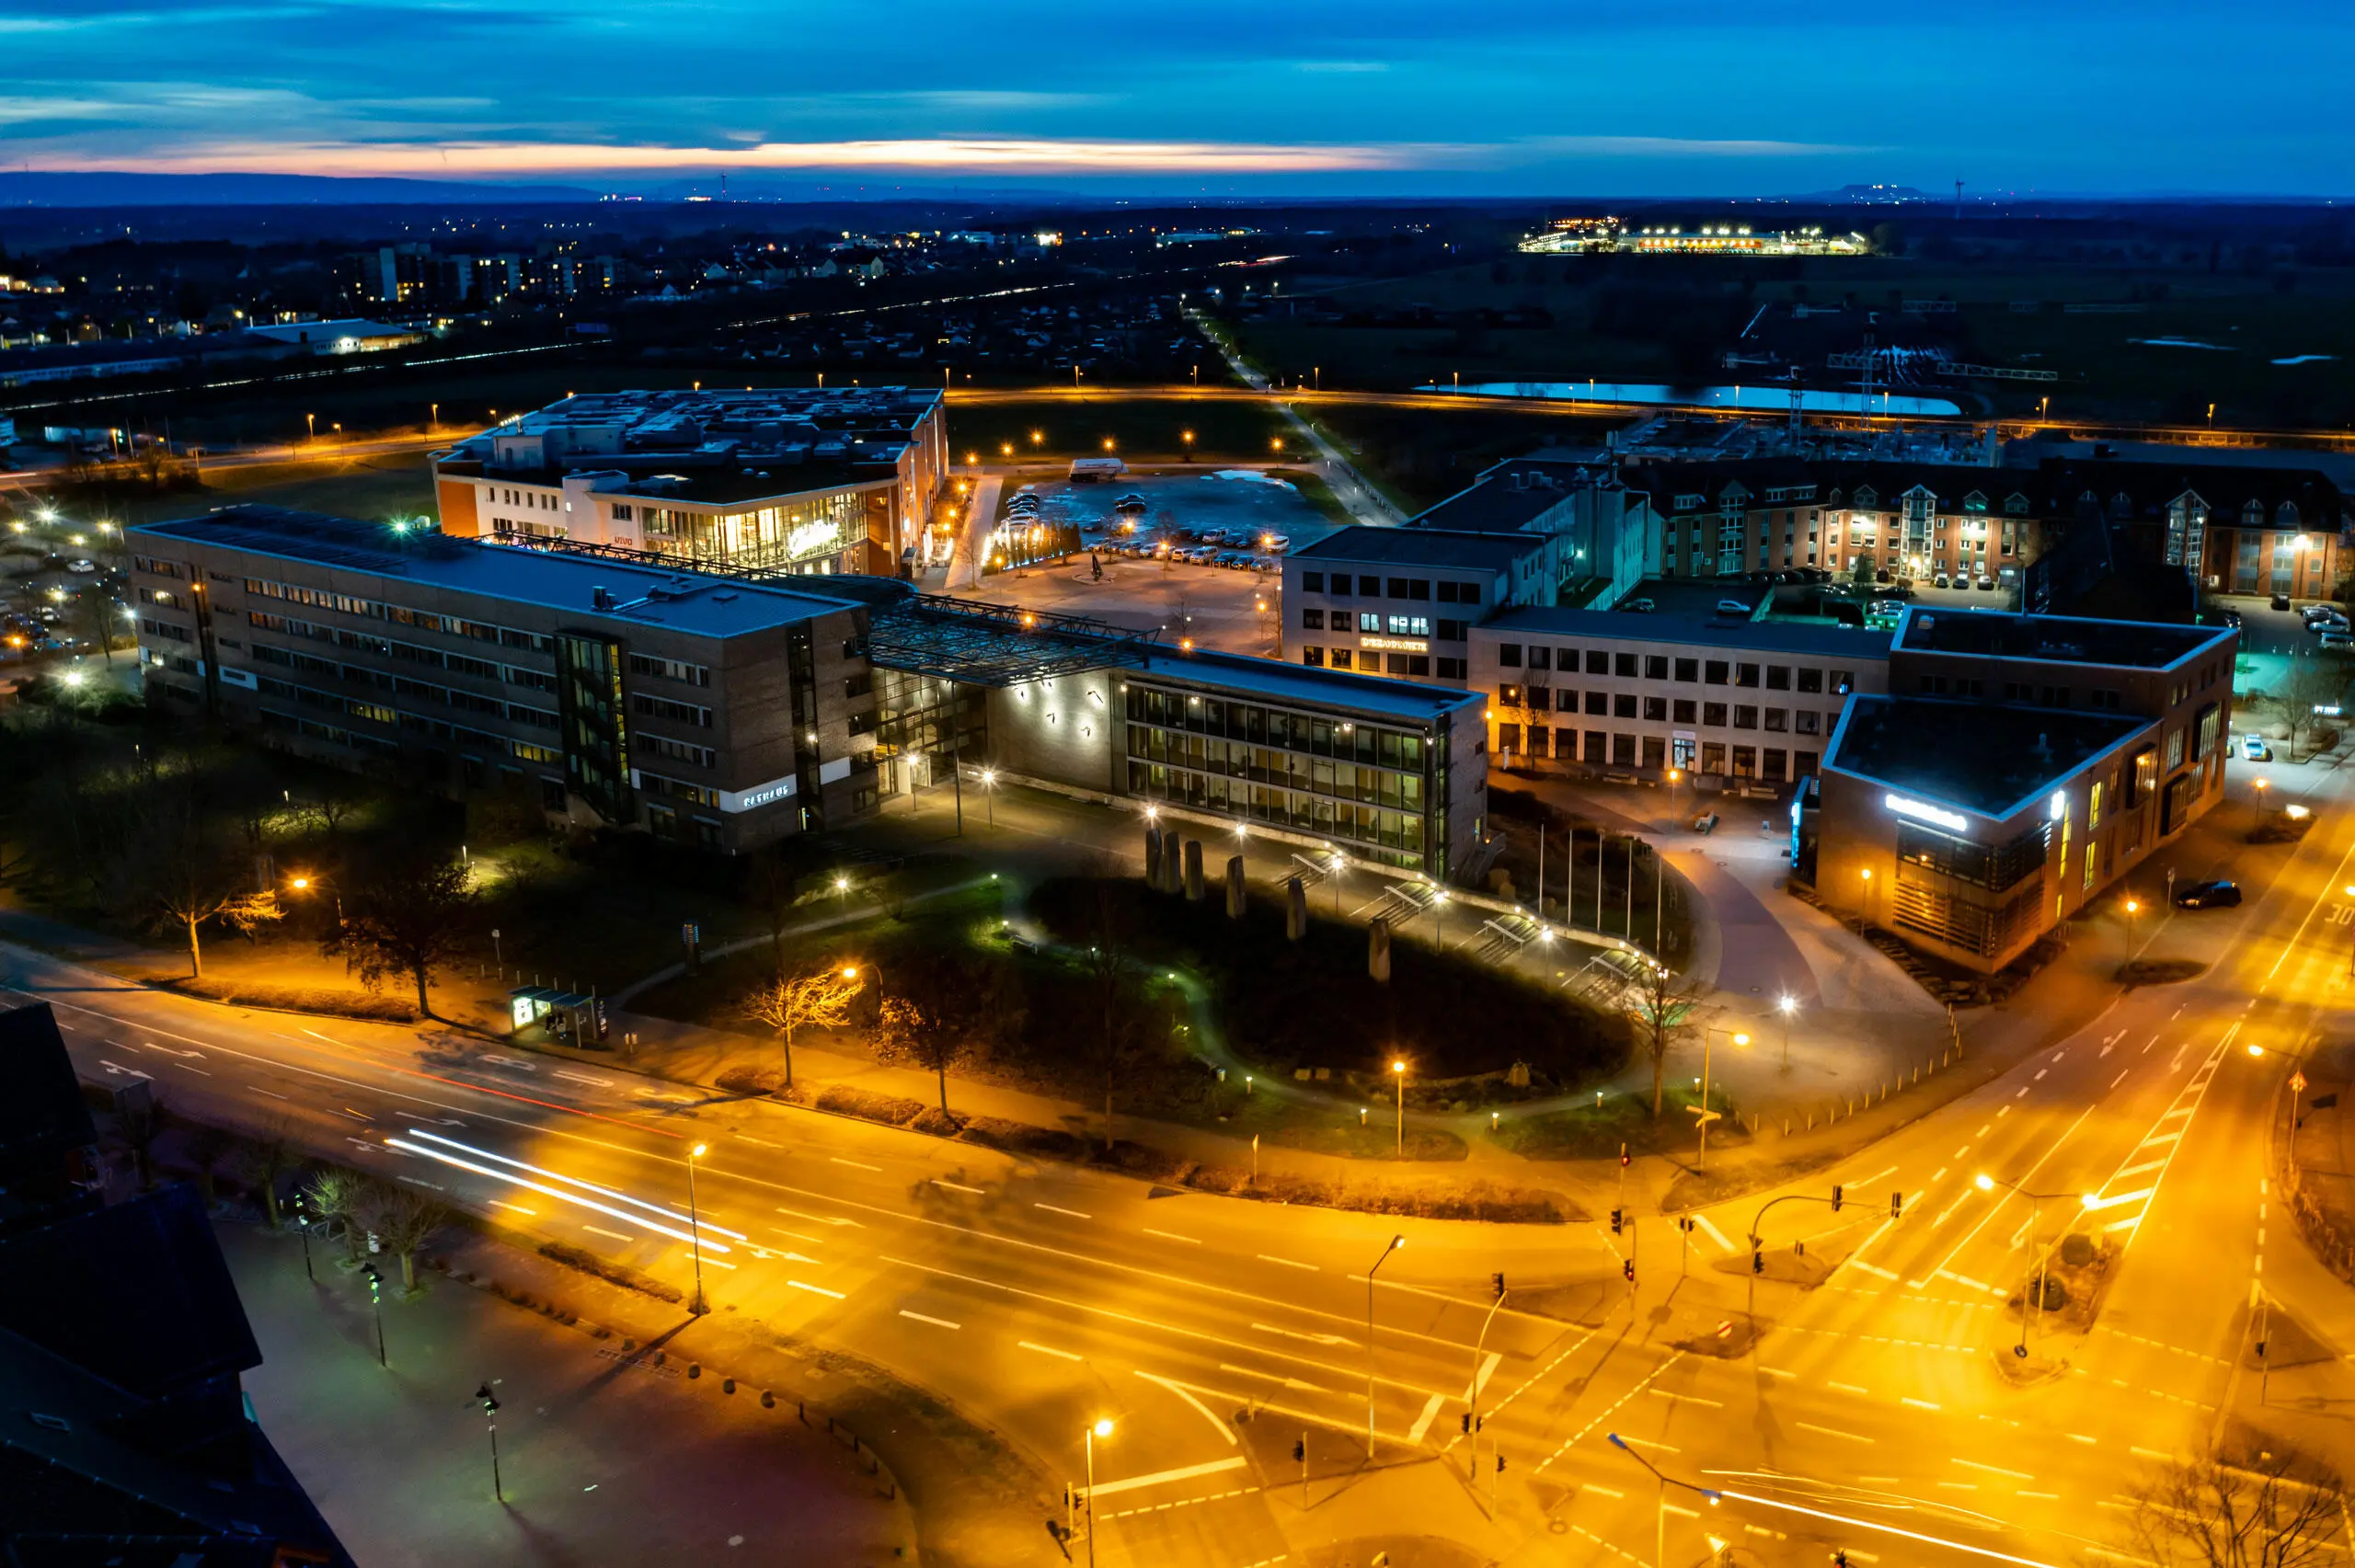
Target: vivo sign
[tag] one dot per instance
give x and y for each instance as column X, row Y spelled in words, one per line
column 1921, row 811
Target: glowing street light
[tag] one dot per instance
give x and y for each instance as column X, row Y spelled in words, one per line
column 2088, row 1201
column 1396, row 1242
column 694, row 1230
column 1398, row 1075
column 1101, row 1428
column 1708, row 1039
column 1787, row 1006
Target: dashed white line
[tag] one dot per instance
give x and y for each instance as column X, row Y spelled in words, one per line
column 1050, row 1350
column 597, row 1231
column 937, row 1322
column 496, row 1203
column 1172, row 1236
column 1687, row 1399
column 271, row 1093
column 816, row 1290
column 1287, row 1263
column 1071, row 1213
column 2148, row 1453
column 1995, row 1470
column 1832, row 1432
column 1917, row 1403
column 854, row 1165
column 956, row 1186
column 1849, row 1389
column 1714, row 1233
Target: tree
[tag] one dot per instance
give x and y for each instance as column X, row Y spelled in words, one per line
column 99, row 618
column 905, row 1027
column 772, row 881
column 1112, row 984
column 2317, row 683
column 2238, row 1512
column 140, row 1123
column 336, row 1196
column 403, row 1220
column 815, row 999
column 410, row 917
column 187, row 882
column 1660, row 1002
column 265, row 1159
column 208, row 1149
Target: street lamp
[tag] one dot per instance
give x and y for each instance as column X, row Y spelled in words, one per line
column 2132, row 909
column 1865, row 900
column 376, row 1301
column 2262, row 785
column 989, row 793
column 1399, row 1076
column 1396, row 1242
column 1101, row 1428
column 1988, row 1184
column 1787, row 1006
column 491, row 1410
column 1659, row 1515
column 1708, row 1039
column 694, row 1230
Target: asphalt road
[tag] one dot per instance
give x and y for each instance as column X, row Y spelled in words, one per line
column 1875, row 1413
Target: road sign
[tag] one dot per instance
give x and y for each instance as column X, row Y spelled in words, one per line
column 2297, row 1084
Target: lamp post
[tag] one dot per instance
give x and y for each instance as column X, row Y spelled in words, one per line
column 1399, row 1076
column 989, row 794
column 1787, row 1006
column 2262, row 785
column 376, row 1301
column 2132, row 909
column 1708, row 1039
column 1471, row 1420
column 1396, row 1242
column 1988, row 1184
column 1659, row 1515
column 1864, row 899
column 694, row 1230
column 1101, row 1428
column 491, row 1410
column 302, row 1223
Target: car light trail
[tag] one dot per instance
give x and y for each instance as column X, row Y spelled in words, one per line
column 1889, row 1529
column 640, row 1212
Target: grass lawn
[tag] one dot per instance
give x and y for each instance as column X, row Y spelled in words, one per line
column 1598, row 1132
column 1223, row 431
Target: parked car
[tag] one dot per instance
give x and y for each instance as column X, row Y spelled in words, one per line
column 2218, row 895
column 1705, row 822
column 82, row 568
column 1275, row 544
column 2255, row 750
column 2336, row 641
column 2228, row 617
column 1733, row 607
column 1986, row 583
column 2280, row 602
column 1638, row 606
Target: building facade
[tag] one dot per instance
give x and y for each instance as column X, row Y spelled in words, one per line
column 809, row 480
column 2021, row 767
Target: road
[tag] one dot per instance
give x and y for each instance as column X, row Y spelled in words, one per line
column 1875, row 1411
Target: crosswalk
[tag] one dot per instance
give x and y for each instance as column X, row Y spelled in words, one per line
column 2120, row 1204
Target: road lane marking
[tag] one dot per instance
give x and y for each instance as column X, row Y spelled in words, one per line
column 1287, row 1263
column 1871, row 1268
column 1424, row 1421
column 1292, row 1383
column 198, row 1071
column 1215, row 1467
column 762, row 1143
column 1832, row 1432
column 1867, row 1180
column 937, row 1322
column 1995, row 1470
column 1777, row 1372
column 797, row 1236
column 589, row 1077
column 128, row 1071
column 1172, row 1236
column 1673, row 1358
column 1940, row 1173
column 1296, row 1333
column 271, row 1093
column 501, row 1203
column 816, row 1290
column 1955, row 1485
column 1602, row 1491
column 952, row 1186
column 1981, row 1133
column 1677, row 1508
column 1849, row 1389
column 1212, row 1417
column 600, row 1230
column 1050, row 1350
column 2040, row 1074
column 1648, row 1443
column 2121, row 1078
column 1714, row 1233
column 854, row 1164
column 1071, row 1213
column 1917, row 1403
column 2039, row 1497
column 2149, row 1454
column 822, row 1219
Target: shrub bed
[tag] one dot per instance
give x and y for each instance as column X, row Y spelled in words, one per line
column 321, row 1000
column 587, row 1262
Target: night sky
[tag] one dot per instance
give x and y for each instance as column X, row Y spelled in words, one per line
column 1342, row 96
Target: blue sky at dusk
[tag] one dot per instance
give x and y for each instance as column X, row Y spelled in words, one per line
column 1221, row 96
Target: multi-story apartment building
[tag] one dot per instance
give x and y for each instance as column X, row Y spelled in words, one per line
column 808, row 480
column 2021, row 766
column 1724, row 703
column 725, row 712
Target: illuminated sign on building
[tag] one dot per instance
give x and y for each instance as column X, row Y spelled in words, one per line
column 1396, row 644
column 1936, row 816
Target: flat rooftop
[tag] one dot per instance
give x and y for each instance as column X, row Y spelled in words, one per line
column 699, row 602
column 1273, row 680
column 1989, row 758
column 2131, row 644
column 1725, row 632
column 1431, row 547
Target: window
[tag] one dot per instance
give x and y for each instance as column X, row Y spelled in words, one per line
column 1843, row 683
column 1399, row 587
column 1311, row 582
column 1597, row 702
column 2101, row 697
column 1810, row 679
column 1567, row 701
column 669, row 669
column 1409, row 627
column 1452, row 631
column 1449, row 668
column 1807, row 720
column 1688, row 669
column 676, row 751
column 1745, row 675
column 1541, row 699
column 1655, row 666
column 1341, row 585
column 1623, row 705
column 1508, row 695
column 1655, row 709
column 862, row 724
column 1540, row 656
column 1716, row 672
column 1598, row 661
column 1341, row 659
column 676, row 713
column 1779, row 678
column 1509, row 655
column 1370, row 588
column 1744, row 716
column 1625, row 669
column 1369, row 621
column 1419, row 588
column 1315, row 656
column 1685, row 707
column 1714, row 714
column 1778, row 718
column 1447, row 593
column 859, row 685
column 1312, row 620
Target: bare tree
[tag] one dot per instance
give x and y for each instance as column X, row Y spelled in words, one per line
column 409, row 918
column 336, row 1196
column 771, row 882
column 1661, row 1004
column 2317, row 683
column 1111, row 970
column 814, row 999
column 2238, row 1512
column 265, row 1159
column 906, row 1027
column 208, row 1148
column 403, row 1220
column 185, row 881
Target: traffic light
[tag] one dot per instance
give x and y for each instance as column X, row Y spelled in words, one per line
column 1896, row 1204
column 1623, row 1156
column 1497, row 1280
column 1500, row 1464
column 1840, row 1557
column 1617, row 1220
column 1836, row 1198
column 1757, row 1261
column 1300, row 1450
column 1628, row 1269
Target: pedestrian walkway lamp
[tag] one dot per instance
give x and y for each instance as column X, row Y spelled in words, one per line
column 1708, row 1041
column 694, row 1228
column 491, row 1410
column 2132, row 909
column 989, row 794
column 376, row 1303
column 1988, row 1184
column 1787, row 1006
column 1102, row 1427
column 1396, row 1242
column 1398, row 1075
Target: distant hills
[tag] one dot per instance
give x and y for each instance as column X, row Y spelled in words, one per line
column 40, row 188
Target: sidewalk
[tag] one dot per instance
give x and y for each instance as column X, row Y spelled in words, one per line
column 602, row 1465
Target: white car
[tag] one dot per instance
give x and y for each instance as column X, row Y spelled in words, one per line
column 81, row 568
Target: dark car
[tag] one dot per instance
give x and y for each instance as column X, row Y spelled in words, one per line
column 2208, row 896
column 2280, row 601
